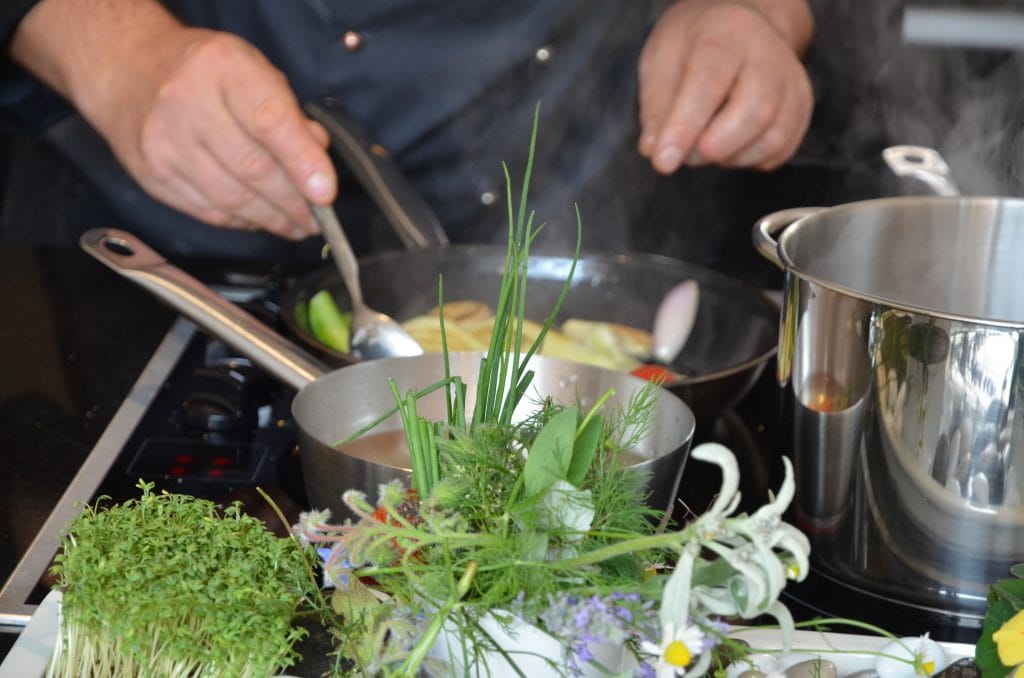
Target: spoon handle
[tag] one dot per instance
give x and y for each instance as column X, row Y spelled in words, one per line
column 341, row 250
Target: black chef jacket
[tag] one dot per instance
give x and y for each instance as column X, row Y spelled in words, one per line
column 449, row 88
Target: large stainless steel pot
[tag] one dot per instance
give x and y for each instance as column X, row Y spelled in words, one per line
column 901, row 344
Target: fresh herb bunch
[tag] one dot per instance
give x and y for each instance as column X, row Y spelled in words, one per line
column 168, row 585
column 542, row 522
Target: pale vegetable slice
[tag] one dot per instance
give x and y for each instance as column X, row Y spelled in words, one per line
column 468, row 326
column 620, row 339
column 427, row 331
column 465, row 312
column 674, row 320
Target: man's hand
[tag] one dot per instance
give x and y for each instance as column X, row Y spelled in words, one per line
column 199, row 118
column 721, row 83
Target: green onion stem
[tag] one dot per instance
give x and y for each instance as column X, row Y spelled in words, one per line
column 593, row 411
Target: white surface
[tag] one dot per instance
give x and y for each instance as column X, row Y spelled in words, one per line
column 32, row 649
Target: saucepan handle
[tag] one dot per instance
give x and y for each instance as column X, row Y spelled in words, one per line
column 133, row 259
column 767, row 228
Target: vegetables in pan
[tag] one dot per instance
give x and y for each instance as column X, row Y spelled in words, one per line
column 329, row 324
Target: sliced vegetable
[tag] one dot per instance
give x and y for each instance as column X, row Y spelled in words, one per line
column 329, row 324
column 652, row 372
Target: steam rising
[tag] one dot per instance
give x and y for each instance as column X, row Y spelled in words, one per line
column 966, row 103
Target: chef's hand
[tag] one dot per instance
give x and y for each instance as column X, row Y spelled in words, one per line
column 200, row 119
column 721, row 83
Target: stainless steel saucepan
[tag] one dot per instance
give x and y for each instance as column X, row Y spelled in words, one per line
column 331, row 406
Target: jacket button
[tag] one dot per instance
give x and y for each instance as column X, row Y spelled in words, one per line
column 352, row 41
column 543, row 53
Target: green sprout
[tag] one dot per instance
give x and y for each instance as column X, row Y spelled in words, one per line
column 167, row 585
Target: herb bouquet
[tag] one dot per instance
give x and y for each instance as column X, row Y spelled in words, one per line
column 520, row 532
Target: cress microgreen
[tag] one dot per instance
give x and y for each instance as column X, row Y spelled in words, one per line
column 169, row 585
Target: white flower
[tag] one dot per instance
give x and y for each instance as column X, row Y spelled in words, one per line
column 681, row 651
column 728, row 496
column 766, row 529
column 675, row 597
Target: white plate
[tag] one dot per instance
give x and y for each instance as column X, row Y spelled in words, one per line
column 849, row 652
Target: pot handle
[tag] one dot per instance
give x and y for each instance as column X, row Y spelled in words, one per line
column 133, row 259
column 924, row 164
column 767, row 227
column 397, row 198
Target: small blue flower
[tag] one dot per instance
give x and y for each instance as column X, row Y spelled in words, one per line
column 337, row 566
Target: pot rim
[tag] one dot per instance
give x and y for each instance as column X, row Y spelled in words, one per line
column 808, row 221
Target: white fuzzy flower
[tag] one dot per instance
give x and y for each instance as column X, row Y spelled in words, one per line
column 311, row 525
column 728, row 496
column 766, row 529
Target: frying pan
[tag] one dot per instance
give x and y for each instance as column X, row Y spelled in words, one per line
column 331, row 406
column 735, row 333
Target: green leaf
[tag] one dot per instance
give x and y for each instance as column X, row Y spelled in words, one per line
column 985, row 652
column 583, row 451
column 1011, row 591
column 535, row 546
column 354, row 601
column 1017, row 570
column 550, row 453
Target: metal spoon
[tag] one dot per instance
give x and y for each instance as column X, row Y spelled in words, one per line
column 374, row 334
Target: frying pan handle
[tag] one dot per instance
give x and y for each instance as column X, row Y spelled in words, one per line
column 403, row 206
column 133, row 259
column 767, row 227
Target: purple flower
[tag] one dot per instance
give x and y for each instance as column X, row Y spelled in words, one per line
column 584, row 623
column 645, row 670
